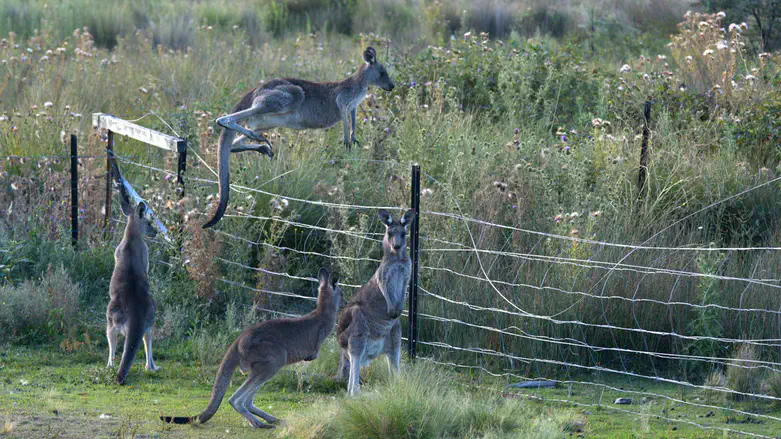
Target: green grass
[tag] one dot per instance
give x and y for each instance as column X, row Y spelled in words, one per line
column 49, row 392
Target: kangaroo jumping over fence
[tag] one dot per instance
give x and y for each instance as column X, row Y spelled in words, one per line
column 131, row 310
column 264, row 348
column 296, row 104
column 369, row 325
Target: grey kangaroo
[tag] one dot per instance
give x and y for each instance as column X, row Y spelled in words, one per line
column 131, row 310
column 369, row 325
column 264, row 348
column 296, row 104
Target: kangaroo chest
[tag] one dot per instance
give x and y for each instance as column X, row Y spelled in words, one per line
column 393, row 280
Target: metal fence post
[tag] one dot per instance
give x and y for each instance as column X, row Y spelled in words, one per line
column 412, row 327
column 109, row 158
column 644, row 150
column 181, row 167
column 74, row 191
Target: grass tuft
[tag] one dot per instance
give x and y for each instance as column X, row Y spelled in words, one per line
column 422, row 402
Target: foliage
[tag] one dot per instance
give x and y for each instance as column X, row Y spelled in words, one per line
column 39, row 311
column 421, row 403
column 762, row 14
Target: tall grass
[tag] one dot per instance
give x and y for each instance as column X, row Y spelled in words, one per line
column 422, row 403
column 528, row 133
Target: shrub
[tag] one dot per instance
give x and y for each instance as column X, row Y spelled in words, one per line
column 36, row 311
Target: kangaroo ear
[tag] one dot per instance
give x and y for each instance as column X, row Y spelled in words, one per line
column 370, row 55
column 334, row 280
column 385, row 217
column 124, row 201
column 322, row 276
column 406, row 220
column 141, row 209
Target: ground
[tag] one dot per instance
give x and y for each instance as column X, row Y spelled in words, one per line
column 48, row 392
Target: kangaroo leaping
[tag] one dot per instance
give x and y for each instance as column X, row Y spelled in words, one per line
column 297, row 104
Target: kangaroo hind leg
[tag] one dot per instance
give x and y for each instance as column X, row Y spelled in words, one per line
column 242, row 400
column 150, row 362
column 281, row 99
column 112, row 334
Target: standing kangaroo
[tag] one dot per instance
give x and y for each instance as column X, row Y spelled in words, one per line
column 296, row 104
column 264, row 348
column 131, row 310
column 369, row 324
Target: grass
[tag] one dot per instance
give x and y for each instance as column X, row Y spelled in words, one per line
column 46, row 392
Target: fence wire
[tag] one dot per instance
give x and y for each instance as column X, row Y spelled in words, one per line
column 497, row 303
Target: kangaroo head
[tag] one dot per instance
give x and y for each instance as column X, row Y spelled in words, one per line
column 375, row 71
column 137, row 218
column 328, row 284
column 395, row 239
column 141, row 219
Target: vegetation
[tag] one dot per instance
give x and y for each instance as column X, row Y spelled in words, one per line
column 521, row 114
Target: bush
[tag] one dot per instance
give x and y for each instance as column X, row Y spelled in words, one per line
column 36, row 311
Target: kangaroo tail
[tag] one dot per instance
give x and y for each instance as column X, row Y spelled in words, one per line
column 135, row 335
column 229, row 363
column 223, row 170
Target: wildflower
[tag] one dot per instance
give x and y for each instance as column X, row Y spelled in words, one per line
column 750, row 77
column 661, row 57
column 558, row 218
column 48, row 104
column 596, row 122
column 707, row 52
column 721, row 45
column 426, row 192
column 734, row 28
column 516, row 131
column 467, row 35
column 625, row 68
column 596, row 213
column 143, row 90
column 412, row 84
column 44, row 58
column 744, row 25
column 703, row 24
column 689, row 59
column 646, row 77
column 563, row 138
column 574, row 232
column 235, row 26
column 34, row 107
column 764, row 56
column 721, row 14
column 502, row 186
column 3, row 118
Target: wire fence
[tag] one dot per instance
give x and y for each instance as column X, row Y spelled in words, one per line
column 690, row 333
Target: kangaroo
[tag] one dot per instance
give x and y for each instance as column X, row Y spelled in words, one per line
column 369, row 324
column 131, row 310
column 264, row 348
column 296, row 104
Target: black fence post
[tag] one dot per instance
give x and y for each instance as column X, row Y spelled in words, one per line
column 644, row 150
column 109, row 158
column 74, row 191
column 412, row 327
column 181, row 167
